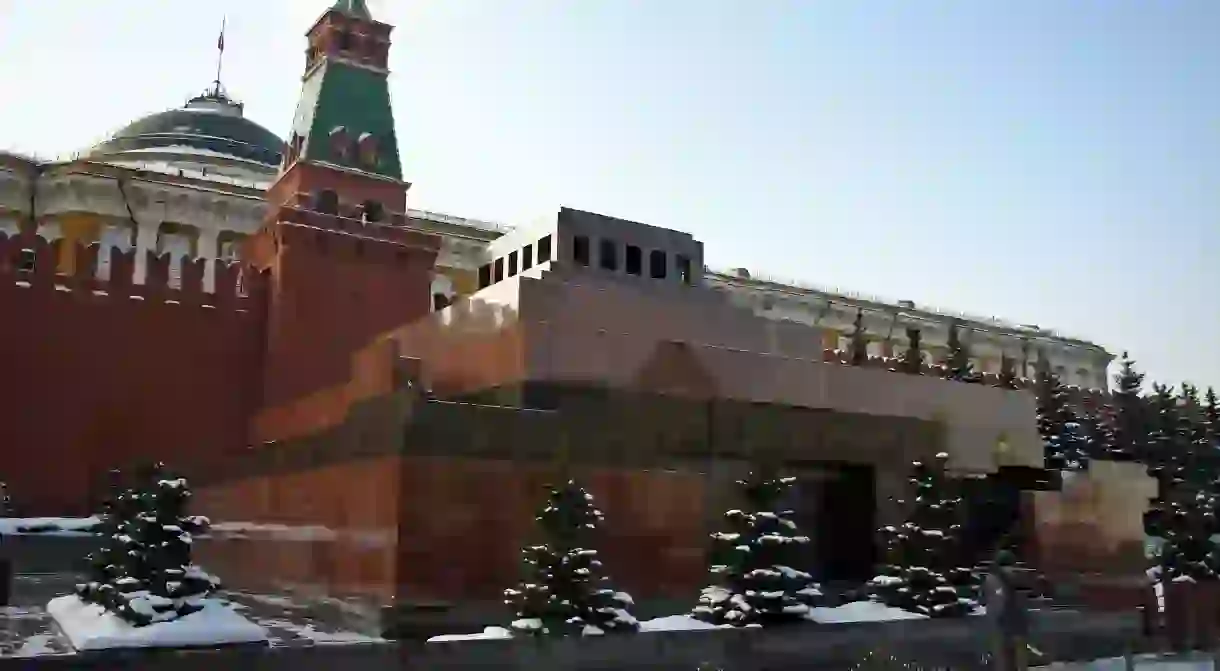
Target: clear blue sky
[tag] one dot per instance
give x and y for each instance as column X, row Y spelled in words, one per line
column 1045, row 161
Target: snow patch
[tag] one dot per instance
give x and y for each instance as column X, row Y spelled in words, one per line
column 677, row 623
column 48, row 526
column 38, row 645
column 488, row 634
column 91, row 627
column 862, row 611
column 308, row 632
column 669, row 623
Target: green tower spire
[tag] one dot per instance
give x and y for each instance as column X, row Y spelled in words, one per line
column 344, row 118
column 353, row 8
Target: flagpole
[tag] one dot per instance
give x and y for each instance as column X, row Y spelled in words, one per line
column 220, row 47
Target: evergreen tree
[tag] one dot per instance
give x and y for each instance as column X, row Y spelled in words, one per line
column 858, row 353
column 1008, row 373
column 1064, row 444
column 1163, row 455
column 106, row 564
column 1165, row 449
column 958, row 366
column 1194, row 423
column 1188, row 551
column 564, row 591
column 1091, row 431
column 912, row 360
column 754, row 579
column 1211, row 417
column 1194, row 436
column 1126, row 428
column 149, row 576
column 923, row 572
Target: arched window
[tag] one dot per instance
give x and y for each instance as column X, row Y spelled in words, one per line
column 366, row 149
column 343, row 40
column 371, row 212
column 326, row 202
column 340, row 143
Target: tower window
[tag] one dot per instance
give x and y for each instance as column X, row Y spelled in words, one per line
column 371, row 212
column 366, row 147
column 608, row 254
column 527, row 257
column 326, row 202
column 485, row 276
column 580, row 250
column 544, row 249
column 683, row 263
column 497, row 270
column 512, row 264
column 340, row 143
column 657, row 264
column 634, row 261
column 343, row 40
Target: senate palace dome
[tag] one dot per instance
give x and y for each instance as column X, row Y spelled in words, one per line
column 209, row 132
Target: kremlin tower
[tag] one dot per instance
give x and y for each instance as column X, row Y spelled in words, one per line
column 342, row 267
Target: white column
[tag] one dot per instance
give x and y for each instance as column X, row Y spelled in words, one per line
column 208, row 250
column 146, row 241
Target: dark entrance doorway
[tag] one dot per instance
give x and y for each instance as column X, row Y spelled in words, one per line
column 835, row 505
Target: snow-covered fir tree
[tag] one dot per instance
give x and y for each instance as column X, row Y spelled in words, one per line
column 1063, row 439
column 923, row 574
column 754, row 580
column 958, row 366
column 1188, row 551
column 1211, row 417
column 1194, row 426
column 564, row 591
column 145, row 574
column 858, row 349
column 911, row 362
column 106, row 563
column 1125, row 428
column 1168, row 435
column 1008, row 373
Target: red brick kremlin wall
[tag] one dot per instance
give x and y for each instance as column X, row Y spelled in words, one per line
column 102, row 374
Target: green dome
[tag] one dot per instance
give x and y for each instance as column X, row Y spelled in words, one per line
column 211, row 124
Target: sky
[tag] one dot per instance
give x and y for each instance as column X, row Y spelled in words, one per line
column 1048, row 162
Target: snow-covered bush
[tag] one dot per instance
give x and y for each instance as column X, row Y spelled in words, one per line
column 922, row 574
column 564, row 591
column 754, row 580
column 144, row 573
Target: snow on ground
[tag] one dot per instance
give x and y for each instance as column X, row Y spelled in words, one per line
column 1142, row 663
column 856, row 611
column 311, row 633
column 38, row 645
column 675, row 623
column 862, row 611
column 48, row 526
column 90, row 627
column 488, row 634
